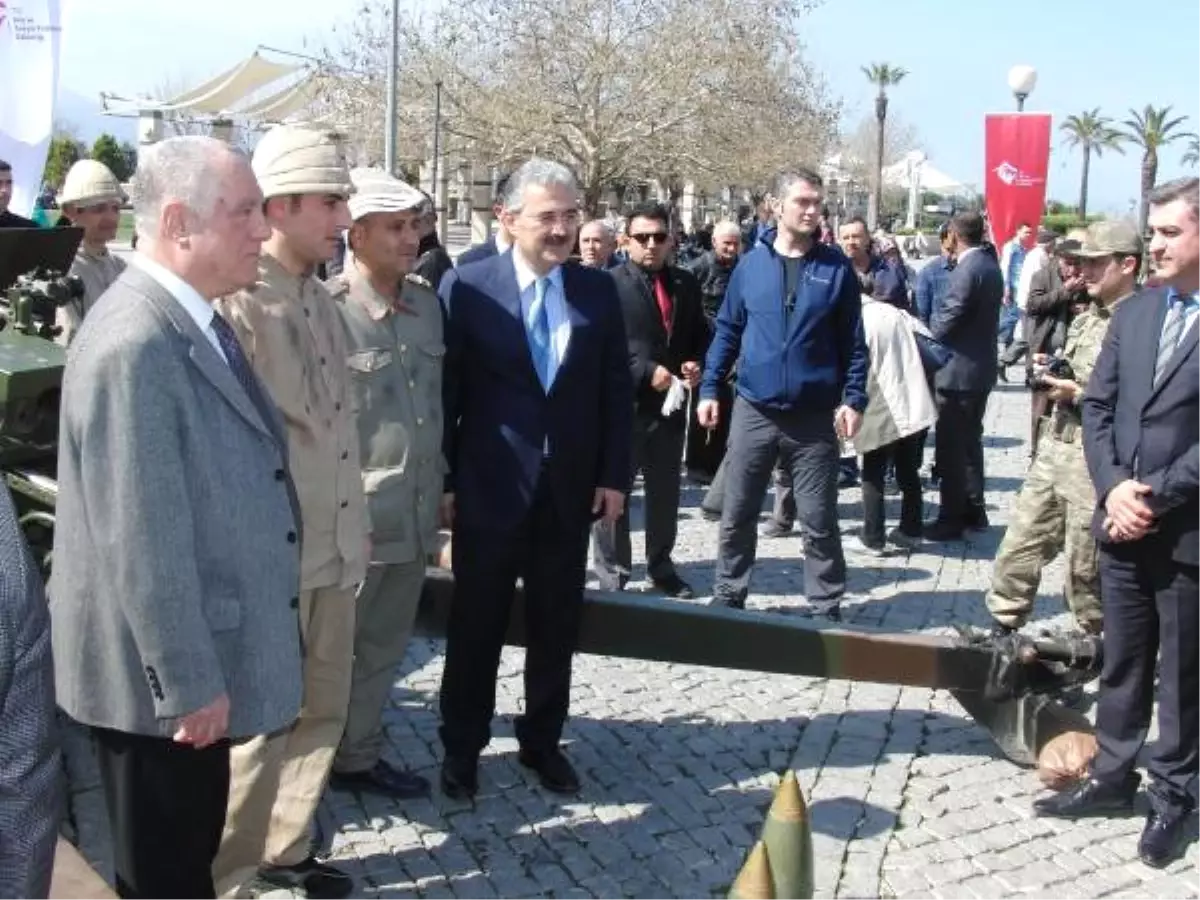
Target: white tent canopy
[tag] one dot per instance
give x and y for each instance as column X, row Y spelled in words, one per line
column 284, row 103
column 928, row 178
column 222, row 93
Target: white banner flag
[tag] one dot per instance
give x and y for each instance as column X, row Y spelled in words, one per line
column 30, row 38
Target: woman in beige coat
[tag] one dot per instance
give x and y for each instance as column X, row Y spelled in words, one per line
column 900, row 410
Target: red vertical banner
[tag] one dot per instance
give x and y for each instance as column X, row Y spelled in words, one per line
column 1017, row 160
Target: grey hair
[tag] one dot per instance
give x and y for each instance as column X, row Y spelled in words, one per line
column 610, row 233
column 179, row 168
column 726, row 227
column 1185, row 189
column 542, row 172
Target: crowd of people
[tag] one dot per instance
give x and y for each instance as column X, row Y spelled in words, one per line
column 254, row 465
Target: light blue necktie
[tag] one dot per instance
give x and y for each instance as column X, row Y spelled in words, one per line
column 1169, row 339
column 539, row 332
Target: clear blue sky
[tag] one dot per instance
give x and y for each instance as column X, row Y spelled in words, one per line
column 958, row 54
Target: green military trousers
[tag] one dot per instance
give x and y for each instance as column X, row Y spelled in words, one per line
column 386, row 607
column 1053, row 513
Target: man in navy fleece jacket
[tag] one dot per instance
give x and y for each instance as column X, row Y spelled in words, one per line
column 791, row 321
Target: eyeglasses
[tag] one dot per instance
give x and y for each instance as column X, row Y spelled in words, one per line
column 645, row 237
column 568, row 219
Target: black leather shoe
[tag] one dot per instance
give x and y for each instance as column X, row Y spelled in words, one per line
column 710, row 515
column 977, row 519
column 460, row 777
column 942, row 530
column 382, row 778
column 1089, row 798
column 554, row 770
column 318, row 881
column 674, row 586
column 1162, row 839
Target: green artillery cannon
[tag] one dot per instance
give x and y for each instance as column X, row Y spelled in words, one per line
column 33, row 284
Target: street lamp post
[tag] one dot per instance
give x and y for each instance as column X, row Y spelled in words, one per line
column 389, row 132
column 437, row 134
column 1022, row 80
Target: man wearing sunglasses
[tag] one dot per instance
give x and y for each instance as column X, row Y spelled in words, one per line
column 667, row 334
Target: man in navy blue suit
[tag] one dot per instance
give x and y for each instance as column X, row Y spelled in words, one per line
column 496, row 243
column 538, row 408
column 1141, row 431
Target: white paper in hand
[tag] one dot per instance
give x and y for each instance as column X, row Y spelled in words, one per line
column 676, row 397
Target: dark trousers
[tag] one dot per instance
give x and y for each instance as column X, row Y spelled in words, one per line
column 783, row 513
column 806, row 446
column 657, row 452
column 550, row 556
column 959, row 450
column 905, row 457
column 706, row 447
column 166, row 808
column 1150, row 604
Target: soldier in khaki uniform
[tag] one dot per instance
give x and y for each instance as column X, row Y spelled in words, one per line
column 1054, row 509
column 393, row 325
column 91, row 199
column 290, row 329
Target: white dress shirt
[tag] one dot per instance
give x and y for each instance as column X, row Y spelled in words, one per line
column 556, row 309
column 187, row 297
column 1035, row 260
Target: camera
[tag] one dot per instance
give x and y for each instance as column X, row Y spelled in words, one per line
column 1056, row 367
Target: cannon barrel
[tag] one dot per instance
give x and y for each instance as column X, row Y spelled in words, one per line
column 1007, row 692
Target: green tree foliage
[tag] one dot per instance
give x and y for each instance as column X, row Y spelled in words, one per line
column 108, row 151
column 65, row 151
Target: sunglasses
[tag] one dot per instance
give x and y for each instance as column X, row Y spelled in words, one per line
column 645, row 237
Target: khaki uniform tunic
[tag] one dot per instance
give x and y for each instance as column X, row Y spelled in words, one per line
column 395, row 362
column 97, row 271
column 290, row 329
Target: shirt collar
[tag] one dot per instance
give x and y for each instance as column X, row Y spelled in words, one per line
column 526, row 276
column 1190, row 301
column 364, row 294
column 187, row 296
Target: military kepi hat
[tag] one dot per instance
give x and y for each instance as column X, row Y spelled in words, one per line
column 301, row 159
column 1110, row 238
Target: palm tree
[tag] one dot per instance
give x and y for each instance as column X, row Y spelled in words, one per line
column 1151, row 129
column 1095, row 134
column 883, row 76
column 1192, row 157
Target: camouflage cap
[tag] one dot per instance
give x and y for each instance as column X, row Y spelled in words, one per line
column 1110, row 238
column 1069, row 246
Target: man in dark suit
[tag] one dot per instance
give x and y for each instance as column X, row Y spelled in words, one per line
column 538, row 405
column 668, row 335
column 1140, row 415
column 31, row 786
column 965, row 321
column 496, row 243
column 10, row 219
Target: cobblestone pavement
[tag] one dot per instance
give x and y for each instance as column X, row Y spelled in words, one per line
column 908, row 797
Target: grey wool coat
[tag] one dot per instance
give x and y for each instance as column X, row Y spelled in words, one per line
column 176, row 545
column 30, row 764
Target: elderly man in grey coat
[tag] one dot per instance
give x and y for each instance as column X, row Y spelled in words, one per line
column 30, row 778
column 174, row 594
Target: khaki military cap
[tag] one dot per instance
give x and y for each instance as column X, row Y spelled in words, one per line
column 301, row 159
column 377, row 191
column 89, row 182
column 1110, row 238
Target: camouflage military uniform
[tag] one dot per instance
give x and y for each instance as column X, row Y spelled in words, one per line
column 1054, row 509
column 394, row 355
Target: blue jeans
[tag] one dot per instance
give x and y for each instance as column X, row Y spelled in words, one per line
column 1009, row 317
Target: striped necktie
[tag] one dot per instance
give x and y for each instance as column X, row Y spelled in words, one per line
column 1171, row 333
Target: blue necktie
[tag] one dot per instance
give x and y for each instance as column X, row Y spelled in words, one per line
column 539, row 332
column 1169, row 339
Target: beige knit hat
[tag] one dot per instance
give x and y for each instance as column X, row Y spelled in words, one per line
column 88, row 182
column 377, row 191
column 300, row 159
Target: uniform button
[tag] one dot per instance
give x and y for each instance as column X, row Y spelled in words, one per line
column 345, row 454
column 345, row 503
column 295, row 603
column 412, row 383
column 322, row 360
column 280, row 475
column 306, row 312
column 291, row 537
column 420, row 421
column 404, row 348
column 337, row 407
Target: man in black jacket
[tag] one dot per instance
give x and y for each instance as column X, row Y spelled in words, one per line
column 10, row 219
column 966, row 321
column 668, row 335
